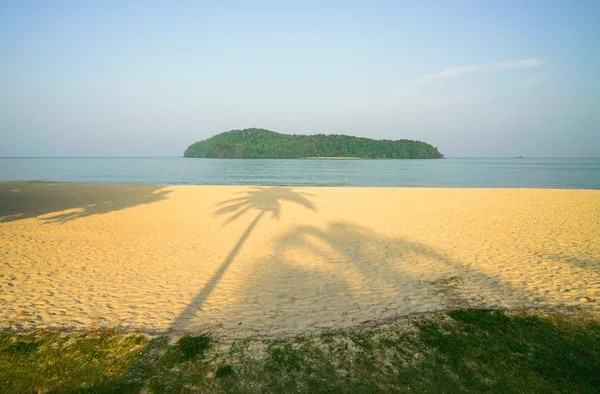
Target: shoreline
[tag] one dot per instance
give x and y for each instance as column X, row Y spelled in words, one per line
column 164, row 185
column 253, row 261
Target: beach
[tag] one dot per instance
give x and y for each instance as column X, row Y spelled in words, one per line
column 246, row 262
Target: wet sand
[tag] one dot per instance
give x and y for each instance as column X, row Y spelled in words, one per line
column 279, row 261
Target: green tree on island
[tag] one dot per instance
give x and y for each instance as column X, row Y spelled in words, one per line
column 265, row 144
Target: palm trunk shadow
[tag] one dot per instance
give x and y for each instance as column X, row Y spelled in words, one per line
column 201, row 298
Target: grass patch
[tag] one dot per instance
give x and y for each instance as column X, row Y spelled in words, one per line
column 54, row 362
column 474, row 350
column 224, row 371
column 192, row 346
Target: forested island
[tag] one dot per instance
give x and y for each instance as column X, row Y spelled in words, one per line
column 265, row 144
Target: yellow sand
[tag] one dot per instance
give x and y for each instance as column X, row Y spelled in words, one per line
column 277, row 261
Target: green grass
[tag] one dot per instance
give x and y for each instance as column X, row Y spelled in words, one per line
column 193, row 346
column 55, row 362
column 474, row 350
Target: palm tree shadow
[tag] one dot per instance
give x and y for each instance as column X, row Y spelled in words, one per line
column 374, row 256
column 262, row 199
column 63, row 202
column 346, row 275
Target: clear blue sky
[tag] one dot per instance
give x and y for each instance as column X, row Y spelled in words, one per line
column 146, row 78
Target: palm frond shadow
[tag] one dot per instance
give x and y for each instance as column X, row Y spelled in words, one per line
column 263, row 199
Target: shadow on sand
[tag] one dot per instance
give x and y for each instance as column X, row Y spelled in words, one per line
column 262, row 199
column 343, row 268
column 345, row 275
column 24, row 200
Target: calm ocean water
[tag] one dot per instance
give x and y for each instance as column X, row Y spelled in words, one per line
column 563, row 173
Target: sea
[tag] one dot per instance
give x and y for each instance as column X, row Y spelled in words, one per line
column 555, row 173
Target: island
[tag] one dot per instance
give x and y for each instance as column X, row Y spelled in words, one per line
column 266, row 144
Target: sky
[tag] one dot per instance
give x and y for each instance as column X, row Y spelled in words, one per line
column 494, row 78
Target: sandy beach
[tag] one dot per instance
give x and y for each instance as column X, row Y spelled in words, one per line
column 280, row 261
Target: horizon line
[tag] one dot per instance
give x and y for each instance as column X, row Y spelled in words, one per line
column 182, row 157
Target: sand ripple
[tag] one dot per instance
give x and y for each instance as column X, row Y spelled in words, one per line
column 278, row 261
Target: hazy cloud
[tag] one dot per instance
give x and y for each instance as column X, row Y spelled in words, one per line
column 460, row 71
